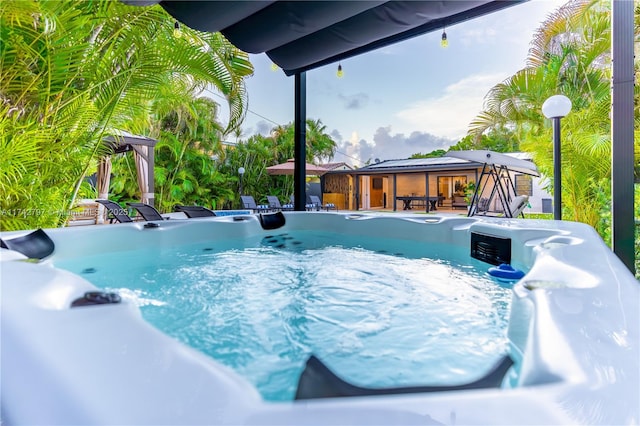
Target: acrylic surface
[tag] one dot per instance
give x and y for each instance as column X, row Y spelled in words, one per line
column 572, row 329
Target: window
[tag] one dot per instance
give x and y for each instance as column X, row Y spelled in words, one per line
column 459, row 185
column 450, row 185
column 524, row 185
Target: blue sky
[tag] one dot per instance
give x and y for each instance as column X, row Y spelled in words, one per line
column 411, row 97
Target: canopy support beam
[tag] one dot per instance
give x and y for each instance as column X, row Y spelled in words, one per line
column 622, row 159
column 300, row 141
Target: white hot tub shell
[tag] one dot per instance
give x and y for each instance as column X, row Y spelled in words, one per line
column 573, row 333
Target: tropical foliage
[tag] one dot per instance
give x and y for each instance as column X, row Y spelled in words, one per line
column 570, row 54
column 72, row 72
column 320, row 146
column 259, row 152
column 185, row 173
column 432, row 154
column 193, row 167
column 497, row 138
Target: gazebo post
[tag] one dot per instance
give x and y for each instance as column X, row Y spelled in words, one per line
column 150, row 175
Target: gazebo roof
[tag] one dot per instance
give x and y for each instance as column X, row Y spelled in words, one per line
column 123, row 141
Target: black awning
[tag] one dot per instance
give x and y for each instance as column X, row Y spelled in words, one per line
column 301, row 35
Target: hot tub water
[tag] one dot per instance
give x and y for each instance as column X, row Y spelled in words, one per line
column 411, row 314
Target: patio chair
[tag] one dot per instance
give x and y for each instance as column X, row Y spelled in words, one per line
column 307, row 206
column 148, row 212
column 195, row 211
column 249, row 203
column 483, row 204
column 115, row 212
column 274, row 204
column 315, row 201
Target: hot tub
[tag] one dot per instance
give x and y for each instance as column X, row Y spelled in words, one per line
column 573, row 333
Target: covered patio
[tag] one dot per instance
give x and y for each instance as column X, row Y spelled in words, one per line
column 300, row 36
column 443, row 184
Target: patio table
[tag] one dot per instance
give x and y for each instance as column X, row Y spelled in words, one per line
column 430, row 202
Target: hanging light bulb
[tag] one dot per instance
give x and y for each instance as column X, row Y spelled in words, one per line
column 274, row 67
column 339, row 73
column 177, row 32
column 444, row 42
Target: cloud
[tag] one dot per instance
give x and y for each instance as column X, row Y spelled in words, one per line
column 264, row 128
column 397, row 146
column 354, row 151
column 335, row 135
column 357, row 101
column 387, row 146
column 478, row 35
column 450, row 114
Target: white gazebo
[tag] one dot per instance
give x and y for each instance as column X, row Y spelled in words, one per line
column 143, row 153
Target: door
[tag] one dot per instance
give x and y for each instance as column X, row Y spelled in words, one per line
column 444, row 186
column 365, row 192
column 376, row 198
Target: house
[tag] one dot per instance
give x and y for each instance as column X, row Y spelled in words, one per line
column 446, row 183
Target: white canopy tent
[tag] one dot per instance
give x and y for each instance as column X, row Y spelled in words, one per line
column 496, row 179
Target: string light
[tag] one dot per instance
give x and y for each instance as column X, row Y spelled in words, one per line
column 444, row 42
column 274, row 67
column 177, row 32
column 339, row 73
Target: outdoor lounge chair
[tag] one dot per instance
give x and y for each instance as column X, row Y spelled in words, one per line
column 115, row 212
column 274, row 204
column 195, row 211
column 249, row 203
column 315, row 201
column 147, row 211
column 307, row 206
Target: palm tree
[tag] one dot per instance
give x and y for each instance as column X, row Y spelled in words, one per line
column 74, row 71
column 258, row 152
column 321, row 146
column 189, row 139
column 570, row 55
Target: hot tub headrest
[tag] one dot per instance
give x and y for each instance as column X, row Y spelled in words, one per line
column 272, row 220
column 36, row 245
column 317, row 381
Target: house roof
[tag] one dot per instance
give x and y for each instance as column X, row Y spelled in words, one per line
column 337, row 166
column 413, row 165
column 517, row 161
column 302, row 35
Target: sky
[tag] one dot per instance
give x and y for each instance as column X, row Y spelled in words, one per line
column 412, row 97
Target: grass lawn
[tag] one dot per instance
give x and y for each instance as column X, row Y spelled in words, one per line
column 548, row 216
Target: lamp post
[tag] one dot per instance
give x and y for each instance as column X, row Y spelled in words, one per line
column 241, row 173
column 555, row 108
